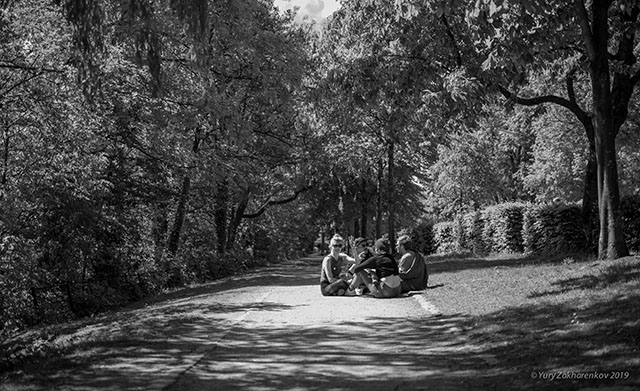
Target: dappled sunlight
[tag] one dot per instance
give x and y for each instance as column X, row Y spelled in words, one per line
column 579, row 335
column 375, row 353
column 286, row 336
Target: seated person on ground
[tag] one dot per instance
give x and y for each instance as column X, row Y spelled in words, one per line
column 360, row 253
column 361, row 249
column 383, row 279
column 334, row 278
column 411, row 267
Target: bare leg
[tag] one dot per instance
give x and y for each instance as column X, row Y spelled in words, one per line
column 360, row 278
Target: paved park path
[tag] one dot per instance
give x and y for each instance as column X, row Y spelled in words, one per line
column 270, row 330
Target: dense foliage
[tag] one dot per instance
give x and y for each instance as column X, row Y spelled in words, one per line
column 166, row 165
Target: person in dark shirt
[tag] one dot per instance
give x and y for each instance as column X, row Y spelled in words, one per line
column 411, row 267
column 382, row 279
column 361, row 252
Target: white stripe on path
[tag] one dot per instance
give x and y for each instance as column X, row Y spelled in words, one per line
column 427, row 306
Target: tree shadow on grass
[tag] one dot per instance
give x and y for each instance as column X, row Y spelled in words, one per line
column 444, row 263
column 622, row 272
column 570, row 340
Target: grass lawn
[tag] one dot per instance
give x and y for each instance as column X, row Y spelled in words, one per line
column 547, row 323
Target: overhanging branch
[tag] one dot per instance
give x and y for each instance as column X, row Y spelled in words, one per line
column 571, row 105
column 283, row 201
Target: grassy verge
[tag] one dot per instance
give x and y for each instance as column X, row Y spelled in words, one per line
column 546, row 323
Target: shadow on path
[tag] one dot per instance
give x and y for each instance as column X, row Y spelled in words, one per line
column 208, row 338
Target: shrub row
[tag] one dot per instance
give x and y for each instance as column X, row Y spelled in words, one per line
column 522, row 228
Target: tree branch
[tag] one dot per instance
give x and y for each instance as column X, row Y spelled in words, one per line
column 7, row 65
column 283, row 201
column 570, row 105
column 587, row 34
column 534, row 101
column 453, row 39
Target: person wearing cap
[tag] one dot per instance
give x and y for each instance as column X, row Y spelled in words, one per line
column 361, row 250
column 334, row 277
column 384, row 282
column 411, row 267
column 361, row 253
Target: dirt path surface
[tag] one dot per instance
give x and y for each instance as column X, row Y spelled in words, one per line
column 268, row 330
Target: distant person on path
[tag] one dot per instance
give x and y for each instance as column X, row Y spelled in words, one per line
column 382, row 279
column 411, row 267
column 334, row 277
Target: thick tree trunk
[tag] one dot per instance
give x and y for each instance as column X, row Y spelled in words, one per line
column 611, row 242
column 590, row 190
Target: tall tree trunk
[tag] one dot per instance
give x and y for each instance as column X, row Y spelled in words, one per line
column 160, row 226
column 611, row 242
column 391, row 204
column 220, row 214
column 363, row 208
column 379, row 202
column 236, row 218
column 173, row 243
column 590, row 190
column 5, row 159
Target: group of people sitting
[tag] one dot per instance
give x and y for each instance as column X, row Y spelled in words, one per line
column 372, row 271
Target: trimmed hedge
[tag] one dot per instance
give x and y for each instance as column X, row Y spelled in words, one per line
column 630, row 208
column 422, row 237
column 445, row 238
column 553, row 228
column 529, row 228
column 502, row 230
column 470, row 232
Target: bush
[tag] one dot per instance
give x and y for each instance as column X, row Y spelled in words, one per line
column 630, row 208
column 470, row 237
column 422, row 237
column 502, row 230
column 444, row 237
column 553, row 228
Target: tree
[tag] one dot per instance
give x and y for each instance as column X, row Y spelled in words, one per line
column 559, row 154
column 377, row 79
column 522, row 36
